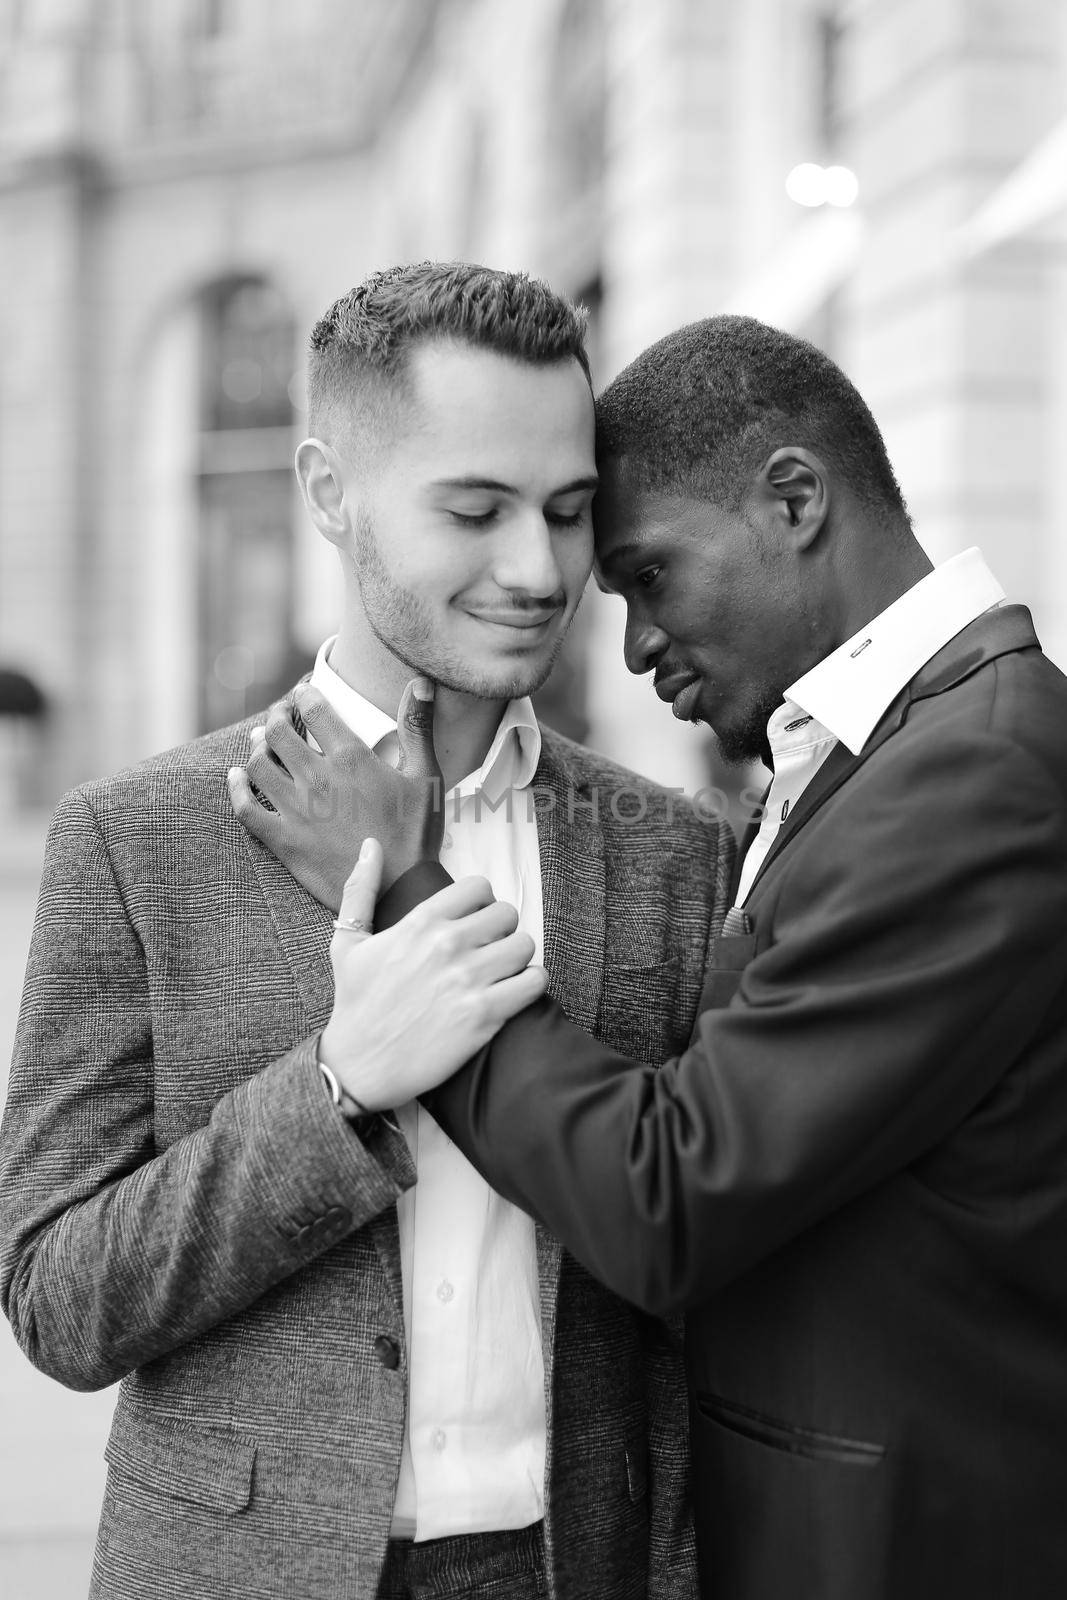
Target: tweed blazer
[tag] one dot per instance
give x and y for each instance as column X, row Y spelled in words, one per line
column 183, row 1208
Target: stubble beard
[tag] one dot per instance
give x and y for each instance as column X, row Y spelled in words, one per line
column 402, row 622
column 746, row 740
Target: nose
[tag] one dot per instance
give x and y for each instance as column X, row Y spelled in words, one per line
column 643, row 643
column 527, row 561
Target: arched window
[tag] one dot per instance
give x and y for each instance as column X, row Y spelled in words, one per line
column 245, row 647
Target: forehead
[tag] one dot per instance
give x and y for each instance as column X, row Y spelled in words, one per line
column 471, row 410
column 629, row 519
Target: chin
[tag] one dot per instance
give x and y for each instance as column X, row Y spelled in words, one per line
column 494, row 680
column 502, row 686
column 745, row 742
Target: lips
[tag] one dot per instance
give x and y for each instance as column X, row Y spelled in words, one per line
column 682, row 690
column 673, row 684
column 518, row 619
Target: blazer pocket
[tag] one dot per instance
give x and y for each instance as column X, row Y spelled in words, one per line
column 787, row 1436
column 638, row 972
column 210, row 1467
column 643, row 1010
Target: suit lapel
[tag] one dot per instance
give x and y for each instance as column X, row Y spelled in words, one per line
column 838, row 767
column 747, row 839
column 993, row 634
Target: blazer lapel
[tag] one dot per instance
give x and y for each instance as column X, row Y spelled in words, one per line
column 571, row 849
column 304, row 928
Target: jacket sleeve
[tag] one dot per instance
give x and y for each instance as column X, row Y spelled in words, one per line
column 112, row 1253
column 914, row 957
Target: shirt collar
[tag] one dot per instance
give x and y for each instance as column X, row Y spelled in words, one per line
column 849, row 690
column 510, row 762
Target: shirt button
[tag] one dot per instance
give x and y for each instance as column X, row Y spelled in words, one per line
column 438, row 1439
column 387, row 1351
column 445, row 1291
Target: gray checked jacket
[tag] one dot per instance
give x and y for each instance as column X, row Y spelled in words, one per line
column 183, row 1208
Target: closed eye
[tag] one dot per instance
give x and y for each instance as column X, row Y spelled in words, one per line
column 573, row 519
column 474, row 519
column 484, row 519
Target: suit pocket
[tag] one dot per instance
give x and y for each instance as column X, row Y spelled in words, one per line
column 785, row 1510
column 787, row 1436
column 209, row 1467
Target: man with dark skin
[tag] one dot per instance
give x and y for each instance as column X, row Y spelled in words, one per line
column 854, row 1181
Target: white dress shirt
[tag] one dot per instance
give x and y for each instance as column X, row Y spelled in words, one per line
column 474, row 1447
column 843, row 698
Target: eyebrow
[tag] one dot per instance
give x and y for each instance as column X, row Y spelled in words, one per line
column 491, row 484
column 619, row 555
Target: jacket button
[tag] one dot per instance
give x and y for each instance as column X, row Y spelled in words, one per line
column 387, row 1351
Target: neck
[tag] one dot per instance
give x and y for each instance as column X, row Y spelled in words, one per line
column 882, row 571
column 464, row 725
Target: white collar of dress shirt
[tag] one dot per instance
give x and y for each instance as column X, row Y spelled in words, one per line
column 510, row 762
column 850, row 690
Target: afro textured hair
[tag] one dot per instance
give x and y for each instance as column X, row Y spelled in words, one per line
column 699, row 412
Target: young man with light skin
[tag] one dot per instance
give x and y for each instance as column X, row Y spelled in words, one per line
column 350, row 1369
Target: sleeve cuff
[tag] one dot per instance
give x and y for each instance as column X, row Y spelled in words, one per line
column 315, row 1178
column 408, row 891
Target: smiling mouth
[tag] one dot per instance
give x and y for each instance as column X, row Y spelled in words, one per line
column 519, row 621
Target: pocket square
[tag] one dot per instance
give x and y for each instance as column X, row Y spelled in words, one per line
column 736, row 924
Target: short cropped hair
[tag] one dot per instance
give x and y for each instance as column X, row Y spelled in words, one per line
column 357, row 363
column 699, row 412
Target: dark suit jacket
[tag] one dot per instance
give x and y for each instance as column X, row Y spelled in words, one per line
column 182, row 1207
column 855, row 1179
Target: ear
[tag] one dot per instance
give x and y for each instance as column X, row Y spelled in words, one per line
column 795, row 487
column 322, row 488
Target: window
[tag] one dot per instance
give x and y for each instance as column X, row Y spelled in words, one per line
column 245, row 651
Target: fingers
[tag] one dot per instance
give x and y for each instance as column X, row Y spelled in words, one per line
column 502, row 959
column 253, row 817
column 507, row 998
column 355, row 920
column 488, row 925
column 267, row 775
column 414, row 726
column 282, row 738
column 331, row 734
column 460, row 899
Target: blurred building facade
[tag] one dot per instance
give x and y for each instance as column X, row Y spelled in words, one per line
column 186, row 184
